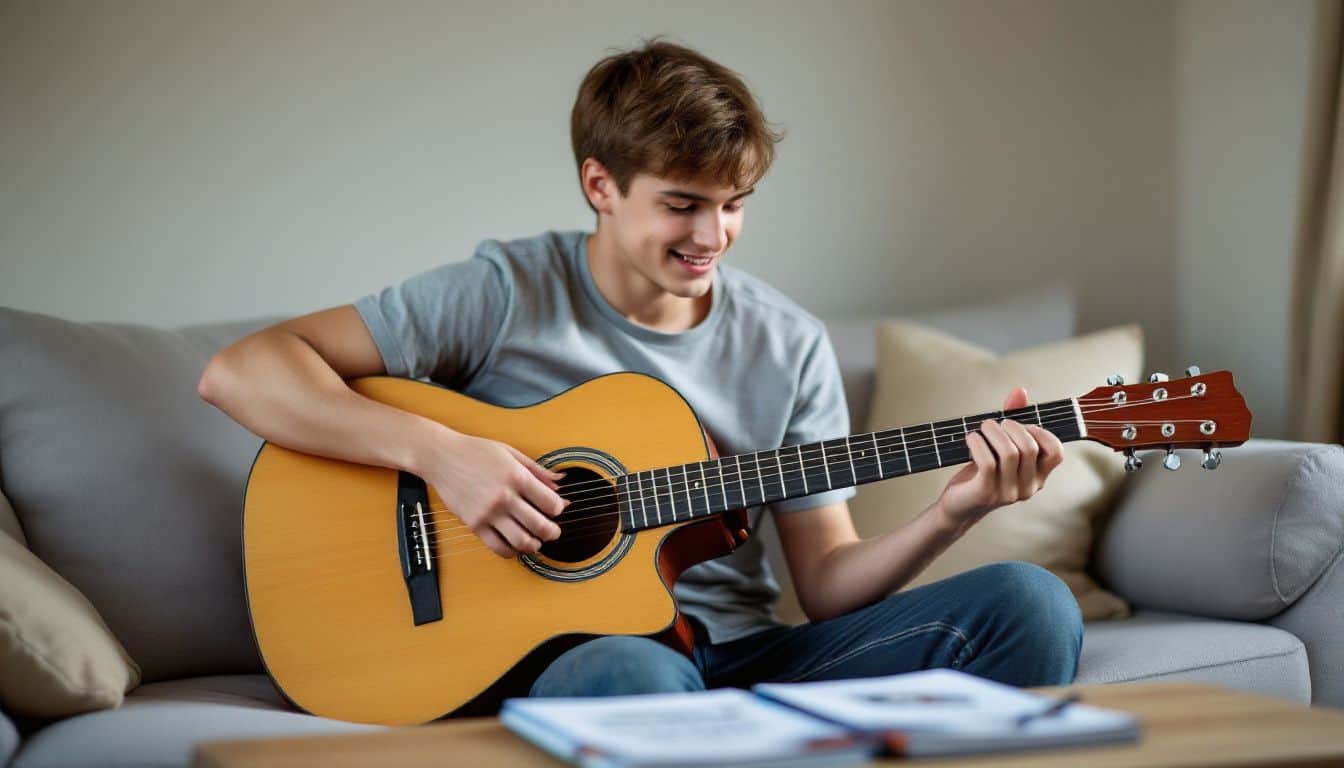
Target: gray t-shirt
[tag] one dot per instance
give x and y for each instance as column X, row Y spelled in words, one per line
column 522, row 321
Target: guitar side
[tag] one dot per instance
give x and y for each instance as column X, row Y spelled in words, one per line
column 326, row 581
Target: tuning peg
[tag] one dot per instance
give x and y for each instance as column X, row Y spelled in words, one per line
column 1211, row 459
column 1132, row 462
column 1115, row 379
column 1192, row 370
column 1172, row 462
column 1158, row 377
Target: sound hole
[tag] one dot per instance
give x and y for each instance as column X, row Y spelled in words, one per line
column 590, row 521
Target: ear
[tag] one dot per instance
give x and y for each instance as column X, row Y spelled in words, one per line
column 598, row 185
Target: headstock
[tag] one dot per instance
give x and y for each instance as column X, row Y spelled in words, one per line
column 1198, row 411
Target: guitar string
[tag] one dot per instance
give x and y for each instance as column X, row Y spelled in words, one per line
column 756, row 469
column 445, row 533
column 569, row 526
column 442, row 536
column 935, row 433
column 444, row 548
column 820, row 458
column 604, row 488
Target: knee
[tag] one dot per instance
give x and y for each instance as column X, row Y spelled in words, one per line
column 1046, row 622
column 618, row 665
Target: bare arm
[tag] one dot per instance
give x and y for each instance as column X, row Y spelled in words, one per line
column 835, row 572
column 286, row 383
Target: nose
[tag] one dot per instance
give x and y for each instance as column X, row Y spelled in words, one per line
column 711, row 232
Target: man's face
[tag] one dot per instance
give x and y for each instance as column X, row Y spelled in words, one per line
column 673, row 232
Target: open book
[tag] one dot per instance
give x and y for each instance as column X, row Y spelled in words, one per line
column 938, row 712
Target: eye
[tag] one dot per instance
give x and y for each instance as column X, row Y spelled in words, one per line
column 733, row 208
column 683, row 209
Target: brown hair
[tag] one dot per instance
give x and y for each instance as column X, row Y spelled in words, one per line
column 667, row 110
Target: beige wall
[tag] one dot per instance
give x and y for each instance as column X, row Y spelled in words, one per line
column 181, row 162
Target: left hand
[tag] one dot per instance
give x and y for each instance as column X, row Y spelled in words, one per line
column 1009, row 463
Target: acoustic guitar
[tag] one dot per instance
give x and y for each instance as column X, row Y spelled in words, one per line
column 371, row 602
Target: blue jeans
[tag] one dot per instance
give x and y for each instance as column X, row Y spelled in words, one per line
column 1012, row 622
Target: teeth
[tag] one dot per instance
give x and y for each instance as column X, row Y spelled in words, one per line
column 697, row 262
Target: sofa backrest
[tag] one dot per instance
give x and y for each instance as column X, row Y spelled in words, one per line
column 129, row 485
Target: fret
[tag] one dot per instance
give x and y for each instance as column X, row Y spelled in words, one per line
column 760, row 476
column 922, row 453
column 795, row 484
column 768, row 475
column 704, row 486
column 686, row 488
column 950, row 435
column 671, row 492
column 719, row 486
column 1037, row 408
column 801, row 469
column 877, row 454
column 741, row 488
column 779, row 468
column 834, row 474
column 639, row 488
column 853, row 475
column 825, row 464
column 905, row 451
column 653, row 491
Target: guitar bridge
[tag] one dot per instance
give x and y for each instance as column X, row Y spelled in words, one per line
column 418, row 550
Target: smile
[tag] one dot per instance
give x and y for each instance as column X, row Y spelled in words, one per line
column 699, row 262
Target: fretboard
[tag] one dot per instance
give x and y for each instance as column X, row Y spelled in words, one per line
column 667, row 495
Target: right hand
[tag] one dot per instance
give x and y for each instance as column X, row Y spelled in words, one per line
column 501, row 494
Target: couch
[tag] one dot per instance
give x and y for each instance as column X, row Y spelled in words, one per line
column 130, row 487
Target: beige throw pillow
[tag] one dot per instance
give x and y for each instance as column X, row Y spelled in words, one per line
column 57, row 657
column 925, row 375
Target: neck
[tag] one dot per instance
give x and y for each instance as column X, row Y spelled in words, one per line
column 635, row 296
column 667, row 495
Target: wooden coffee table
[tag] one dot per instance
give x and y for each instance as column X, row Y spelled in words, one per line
column 1184, row 724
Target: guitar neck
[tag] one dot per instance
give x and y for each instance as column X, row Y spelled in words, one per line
column 667, row 495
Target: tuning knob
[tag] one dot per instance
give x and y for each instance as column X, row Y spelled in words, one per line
column 1192, row 370
column 1132, row 462
column 1172, row 462
column 1211, row 459
column 1115, row 379
column 1158, row 377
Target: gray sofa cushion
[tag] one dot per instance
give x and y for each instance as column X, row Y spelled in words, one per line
column 160, row 724
column 1158, row 646
column 130, row 486
column 1241, row 542
column 9, row 739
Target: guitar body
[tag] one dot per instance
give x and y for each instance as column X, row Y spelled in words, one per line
column 326, row 563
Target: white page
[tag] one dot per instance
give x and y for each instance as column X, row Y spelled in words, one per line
column 940, row 700
column 720, row 725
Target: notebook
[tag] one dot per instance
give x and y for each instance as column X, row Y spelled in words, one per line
column 944, row 712
column 937, row 712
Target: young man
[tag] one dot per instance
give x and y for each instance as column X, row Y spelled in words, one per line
column 669, row 145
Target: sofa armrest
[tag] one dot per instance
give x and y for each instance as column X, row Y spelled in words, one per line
column 1242, row 542
column 1318, row 621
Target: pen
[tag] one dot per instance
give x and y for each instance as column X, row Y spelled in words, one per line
column 1053, row 709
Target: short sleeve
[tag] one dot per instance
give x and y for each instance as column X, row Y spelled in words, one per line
column 440, row 324
column 819, row 413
